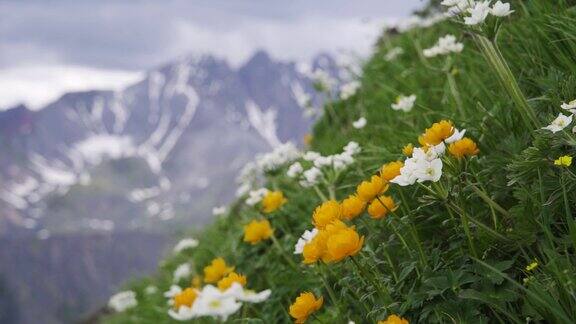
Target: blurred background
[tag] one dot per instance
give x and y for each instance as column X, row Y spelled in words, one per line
column 123, row 124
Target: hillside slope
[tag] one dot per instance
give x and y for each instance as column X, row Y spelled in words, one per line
column 449, row 230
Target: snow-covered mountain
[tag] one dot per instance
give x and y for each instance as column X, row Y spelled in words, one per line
column 162, row 151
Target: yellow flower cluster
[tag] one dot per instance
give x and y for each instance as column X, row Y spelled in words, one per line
column 273, row 201
column 216, row 270
column 333, row 243
column 563, row 161
column 304, row 306
column 257, row 230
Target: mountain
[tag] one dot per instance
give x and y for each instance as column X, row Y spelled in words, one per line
column 161, row 152
column 94, row 185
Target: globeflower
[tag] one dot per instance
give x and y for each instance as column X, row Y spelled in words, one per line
column 394, row 319
column 273, row 201
column 326, row 213
column 216, row 270
column 367, row 190
column 306, row 237
column 231, row 278
column 391, row 170
column 563, row 161
column 342, row 242
column 304, row 306
column 463, row 147
column 185, row 298
column 352, row 207
column 437, row 133
column 408, row 149
column 315, row 249
column 381, row 206
column 257, row 231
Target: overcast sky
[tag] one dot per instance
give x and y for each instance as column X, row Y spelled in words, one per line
column 48, row 47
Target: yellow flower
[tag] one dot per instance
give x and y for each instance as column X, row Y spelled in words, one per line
column 216, row 270
column 394, row 319
column 342, row 242
column 391, row 170
column 257, row 231
column 367, row 190
column 308, row 139
column 185, row 298
column 326, row 213
column 532, row 266
column 463, row 147
column 316, row 248
column 352, row 207
column 272, row 201
column 437, row 133
column 408, row 150
column 197, row 281
column 304, row 306
column 381, row 207
column 564, row 161
column 231, row 278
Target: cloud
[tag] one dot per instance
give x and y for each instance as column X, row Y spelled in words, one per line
column 37, row 85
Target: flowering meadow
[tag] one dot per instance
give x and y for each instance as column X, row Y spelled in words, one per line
column 437, row 187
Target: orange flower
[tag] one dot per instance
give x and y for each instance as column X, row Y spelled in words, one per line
column 304, row 306
column 315, row 249
column 391, row 170
column 231, row 278
column 257, row 231
column 408, row 150
column 437, row 133
column 367, row 190
column 342, row 242
column 326, row 213
column 352, row 207
column 273, row 201
column 463, row 147
column 381, row 207
column 394, row 319
column 216, row 270
column 185, row 298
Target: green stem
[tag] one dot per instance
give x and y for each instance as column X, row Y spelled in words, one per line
column 455, row 93
column 283, row 253
column 507, row 79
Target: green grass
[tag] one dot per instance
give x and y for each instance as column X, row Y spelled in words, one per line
column 517, row 203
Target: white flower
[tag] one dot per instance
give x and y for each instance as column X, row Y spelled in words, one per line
column 323, row 78
column 123, row 300
column 150, row 290
column 185, row 244
column 242, row 190
column 173, row 291
column 282, row 154
column 218, row 211
column 352, row 148
column 183, row 313
column 360, row 123
column 349, row 89
column 571, row 106
column 450, row 3
column 456, row 136
column 404, row 103
column 255, row 196
column 500, row 9
column 478, row 13
column 392, row 54
column 183, row 271
column 304, row 239
column 445, row 45
column 311, row 156
column 294, row 170
column 322, row 161
column 429, row 171
column 559, row 123
column 342, row 160
column 246, row 295
column 212, row 302
column 310, row 177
